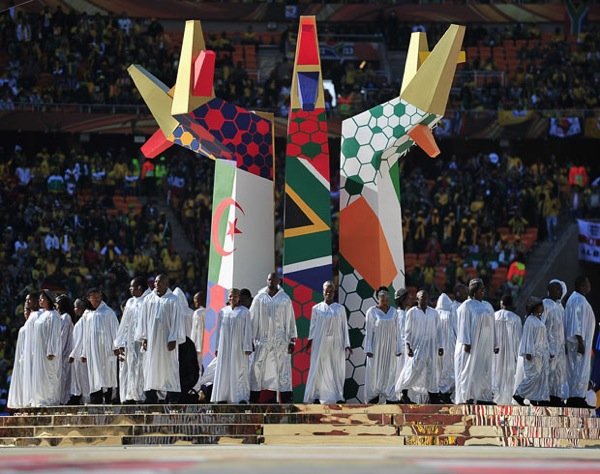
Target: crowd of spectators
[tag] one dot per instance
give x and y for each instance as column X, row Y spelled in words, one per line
column 61, row 57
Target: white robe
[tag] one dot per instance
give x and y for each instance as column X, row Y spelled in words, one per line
column 234, row 339
column 329, row 335
column 100, row 330
column 16, row 396
column 66, row 334
column 534, row 385
column 473, row 371
column 197, row 336
column 131, row 376
column 421, row 332
column 554, row 315
column 80, row 383
column 161, row 322
column 579, row 321
column 382, row 339
column 185, row 310
column 508, row 327
column 45, row 374
column 447, row 328
column 273, row 328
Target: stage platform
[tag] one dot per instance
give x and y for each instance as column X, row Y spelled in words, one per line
column 318, row 425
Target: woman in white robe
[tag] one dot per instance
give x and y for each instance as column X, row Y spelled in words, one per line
column 381, row 346
column 508, row 327
column 20, row 380
column 47, row 354
column 533, row 357
column 64, row 305
column 329, row 343
column 234, row 345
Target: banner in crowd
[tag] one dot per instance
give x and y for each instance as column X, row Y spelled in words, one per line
column 589, row 240
column 562, row 127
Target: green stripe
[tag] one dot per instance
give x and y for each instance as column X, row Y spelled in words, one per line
column 223, row 188
column 307, row 247
column 309, row 188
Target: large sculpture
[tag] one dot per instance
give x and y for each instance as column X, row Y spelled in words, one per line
column 371, row 246
column 307, row 220
column 241, row 142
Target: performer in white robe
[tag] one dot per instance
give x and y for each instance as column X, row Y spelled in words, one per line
column 98, row 350
column 475, row 346
column 46, row 357
column 187, row 312
column 381, row 346
column 447, row 327
column 131, row 376
column 329, row 345
column 198, row 325
column 508, row 328
column 234, row 345
column 534, row 356
column 423, row 348
column 554, row 317
column 274, row 335
column 580, row 323
column 20, row 380
column 80, row 385
column 161, row 328
column 65, row 309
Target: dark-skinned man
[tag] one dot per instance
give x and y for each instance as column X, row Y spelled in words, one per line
column 423, row 348
column 160, row 329
column 274, row 335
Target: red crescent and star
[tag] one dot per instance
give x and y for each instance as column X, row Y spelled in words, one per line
column 232, row 228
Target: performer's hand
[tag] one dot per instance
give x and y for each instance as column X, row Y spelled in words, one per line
column 171, row 345
column 528, row 356
column 50, row 357
column 216, row 353
column 246, row 352
column 291, row 348
column 145, row 344
column 398, row 354
column 440, row 352
column 467, row 348
column 116, row 352
column 369, row 354
column 580, row 347
column 84, row 360
column 551, row 356
column 348, row 351
column 496, row 350
column 71, row 360
column 410, row 353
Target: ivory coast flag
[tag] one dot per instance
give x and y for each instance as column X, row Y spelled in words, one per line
column 242, row 242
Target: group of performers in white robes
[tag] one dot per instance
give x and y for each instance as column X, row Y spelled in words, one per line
column 460, row 352
column 57, row 362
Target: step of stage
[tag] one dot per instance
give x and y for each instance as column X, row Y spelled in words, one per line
column 460, row 425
